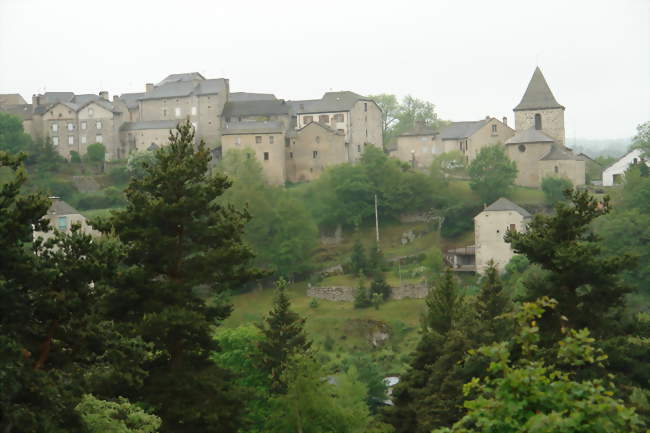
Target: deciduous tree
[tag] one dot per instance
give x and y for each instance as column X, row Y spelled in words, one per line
column 492, row 173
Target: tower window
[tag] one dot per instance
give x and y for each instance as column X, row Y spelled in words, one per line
column 522, row 148
column 538, row 121
column 266, row 156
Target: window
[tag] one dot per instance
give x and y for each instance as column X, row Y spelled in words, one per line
column 91, row 112
column 258, row 139
column 177, row 111
column 266, row 156
column 538, row 121
column 193, row 111
column 513, row 228
column 557, row 170
column 307, row 119
column 317, row 139
column 315, row 154
column 55, row 141
column 290, row 155
column 238, row 141
column 63, row 223
column 341, row 131
column 83, row 125
column 98, row 124
column 522, row 148
column 83, row 139
column 365, row 106
column 359, row 148
column 494, row 129
column 70, row 126
column 99, row 138
column 70, row 139
column 164, row 112
column 271, row 139
column 55, row 127
column 324, row 118
column 338, row 118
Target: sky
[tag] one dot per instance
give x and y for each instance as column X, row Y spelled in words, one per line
column 470, row 58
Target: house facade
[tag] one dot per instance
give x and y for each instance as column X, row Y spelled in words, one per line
column 61, row 217
column 615, row 173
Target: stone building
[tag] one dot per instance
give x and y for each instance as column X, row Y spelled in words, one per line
column 418, row 146
column 312, row 149
column 538, row 144
column 61, row 217
column 490, row 226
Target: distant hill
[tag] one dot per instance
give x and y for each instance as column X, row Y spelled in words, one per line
column 614, row 147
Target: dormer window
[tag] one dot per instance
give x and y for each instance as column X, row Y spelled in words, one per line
column 538, row 121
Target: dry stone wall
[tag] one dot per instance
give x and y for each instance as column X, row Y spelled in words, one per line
column 346, row 294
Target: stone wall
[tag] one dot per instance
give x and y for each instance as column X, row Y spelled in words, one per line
column 346, row 294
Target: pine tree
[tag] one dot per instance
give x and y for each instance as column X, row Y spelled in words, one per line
column 361, row 298
column 491, row 302
column 379, row 286
column 376, row 261
column 284, row 337
column 179, row 239
column 358, row 262
column 429, row 394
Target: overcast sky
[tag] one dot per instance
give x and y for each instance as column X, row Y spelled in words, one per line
column 470, row 58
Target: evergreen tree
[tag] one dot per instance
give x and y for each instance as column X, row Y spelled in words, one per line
column 361, row 298
column 380, row 287
column 376, row 261
column 429, row 394
column 358, row 262
column 586, row 284
column 180, row 239
column 491, row 302
column 284, row 337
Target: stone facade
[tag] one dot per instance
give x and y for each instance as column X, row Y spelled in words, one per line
column 61, row 217
column 314, row 148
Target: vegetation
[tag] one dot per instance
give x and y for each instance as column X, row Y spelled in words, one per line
column 554, row 188
column 493, row 174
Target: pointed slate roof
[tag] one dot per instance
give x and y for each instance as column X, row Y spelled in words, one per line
column 538, row 95
column 503, row 204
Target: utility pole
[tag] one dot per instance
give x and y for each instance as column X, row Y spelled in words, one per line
column 376, row 221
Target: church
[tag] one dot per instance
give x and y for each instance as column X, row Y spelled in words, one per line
column 538, row 146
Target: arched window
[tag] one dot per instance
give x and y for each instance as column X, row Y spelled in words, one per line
column 538, row 121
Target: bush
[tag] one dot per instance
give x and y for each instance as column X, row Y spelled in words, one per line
column 380, row 286
column 328, row 344
column 74, row 157
column 314, row 303
column 119, row 175
column 361, row 299
column 554, row 188
column 459, row 219
column 109, row 197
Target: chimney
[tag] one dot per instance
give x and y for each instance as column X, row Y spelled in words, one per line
column 148, row 87
column 487, row 117
column 505, row 120
column 103, row 94
column 115, row 98
column 36, row 100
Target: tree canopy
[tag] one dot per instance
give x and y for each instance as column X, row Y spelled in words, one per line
column 492, row 173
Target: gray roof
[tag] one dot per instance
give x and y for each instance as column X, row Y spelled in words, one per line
column 176, row 78
column 538, row 95
column 530, row 135
column 59, row 207
column 186, row 88
column 131, row 99
column 559, row 153
column 458, row 130
column 149, row 124
column 12, row 99
column 85, row 99
column 54, row 97
column 419, row 130
column 503, row 204
column 271, row 127
column 245, row 96
column 330, row 102
column 256, row 108
column 322, row 125
column 23, row 111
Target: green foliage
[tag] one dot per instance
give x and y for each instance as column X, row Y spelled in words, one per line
column 358, row 262
column 642, row 138
column 492, row 173
column 281, row 231
column 459, row 219
column 100, row 416
column 491, row 303
column 372, row 377
column 445, row 165
column 523, row 393
column 379, row 286
column 96, row 153
column 390, row 109
column 43, row 154
column 74, row 157
column 283, row 337
column 119, row 175
column 139, row 162
column 106, row 198
column 176, row 232
column 361, row 297
column 554, row 188
column 433, row 261
column 13, row 138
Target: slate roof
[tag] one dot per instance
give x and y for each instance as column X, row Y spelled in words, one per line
column 530, row 135
column 149, row 124
column 559, row 153
column 322, row 125
column 458, row 130
column 538, row 95
column 329, row 103
column 182, row 88
column 176, row 78
column 256, row 108
column 245, row 96
column 269, row 127
column 12, row 99
column 503, row 204
column 131, row 99
column 418, row 130
column 23, row 111
column 59, row 207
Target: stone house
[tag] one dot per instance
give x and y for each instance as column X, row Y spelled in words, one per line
column 490, row 227
column 615, row 173
column 538, row 144
column 418, row 146
column 62, row 217
column 313, row 148
column 144, row 135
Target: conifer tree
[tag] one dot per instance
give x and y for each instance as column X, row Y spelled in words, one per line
column 491, row 302
column 379, row 286
column 376, row 261
column 358, row 261
column 429, row 394
column 361, row 298
column 180, row 239
column 284, row 338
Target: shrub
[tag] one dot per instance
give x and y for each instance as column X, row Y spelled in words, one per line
column 361, row 299
column 554, row 188
column 314, row 303
column 74, row 157
column 119, row 175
